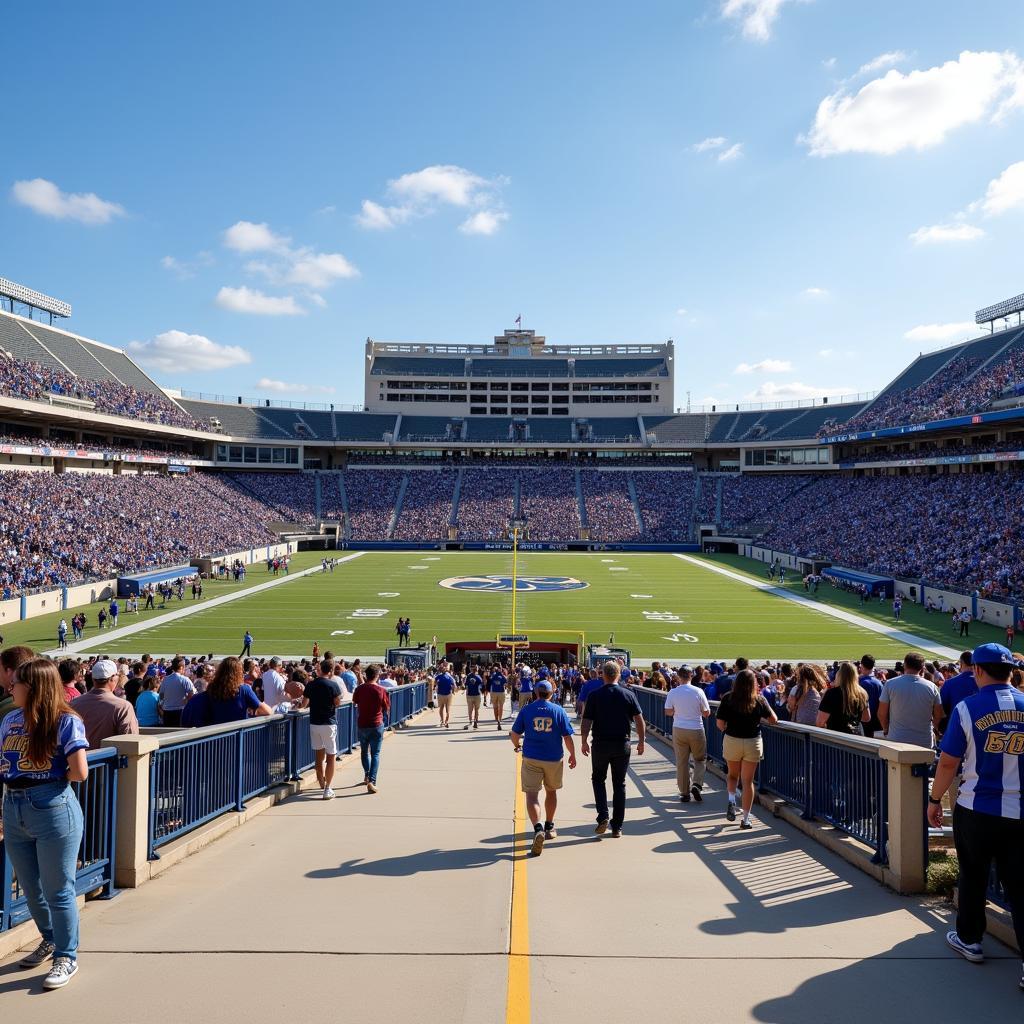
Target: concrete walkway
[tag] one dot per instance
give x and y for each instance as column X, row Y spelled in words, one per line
column 396, row 907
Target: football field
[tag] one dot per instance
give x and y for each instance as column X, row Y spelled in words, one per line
column 660, row 606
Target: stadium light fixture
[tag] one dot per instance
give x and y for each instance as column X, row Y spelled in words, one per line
column 30, row 297
column 1001, row 309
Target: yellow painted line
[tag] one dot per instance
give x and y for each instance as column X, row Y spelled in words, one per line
column 517, row 1002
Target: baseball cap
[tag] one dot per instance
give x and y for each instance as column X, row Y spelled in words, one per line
column 104, row 669
column 543, row 684
column 992, row 654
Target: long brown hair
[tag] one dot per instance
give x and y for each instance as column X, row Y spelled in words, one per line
column 807, row 678
column 848, row 683
column 743, row 695
column 227, row 681
column 45, row 703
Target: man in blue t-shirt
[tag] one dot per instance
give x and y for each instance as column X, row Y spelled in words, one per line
column 873, row 688
column 525, row 684
column 474, row 697
column 497, row 686
column 986, row 732
column 592, row 684
column 957, row 688
column 444, row 688
column 542, row 727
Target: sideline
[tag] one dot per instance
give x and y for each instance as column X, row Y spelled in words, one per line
column 910, row 639
column 101, row 639
column 517, row 1002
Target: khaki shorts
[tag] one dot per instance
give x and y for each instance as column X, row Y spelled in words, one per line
column 735, row 749
column 444, row 700
column 473, row 702
column 498, row 699
column 537, row 775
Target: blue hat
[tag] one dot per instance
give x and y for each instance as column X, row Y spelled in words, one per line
column 543, row 684
column 992, row 654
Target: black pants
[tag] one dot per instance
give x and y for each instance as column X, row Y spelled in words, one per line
column 172, row 719
column 981, row 839
column 613, row 754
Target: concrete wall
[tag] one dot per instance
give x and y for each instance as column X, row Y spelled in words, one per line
column 10, row 611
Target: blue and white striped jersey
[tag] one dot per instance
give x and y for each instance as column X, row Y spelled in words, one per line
column 987, row 731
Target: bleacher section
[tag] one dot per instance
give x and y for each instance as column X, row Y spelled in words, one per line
column 16, row 340
column 687, row 428
column 806, row 423
column 426, row 428
column 520, row 368
column 427, row 505
column 72, row 353
column 489, row 428
column 621, row 368
column 557, row 430
column 419, row 367
column 614, row 429
column 236, row 420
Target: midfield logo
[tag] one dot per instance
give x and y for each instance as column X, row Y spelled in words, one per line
column 504, row 583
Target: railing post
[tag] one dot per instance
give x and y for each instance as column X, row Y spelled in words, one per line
column 132, row 825
column 906, row 776
column 806, row 813
column 240, row 769
column 292, row 767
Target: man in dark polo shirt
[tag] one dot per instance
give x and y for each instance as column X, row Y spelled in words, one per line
column 611, row 711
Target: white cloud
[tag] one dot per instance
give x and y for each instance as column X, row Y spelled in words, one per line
column 268, row 384
column 681, row 312
column 765, row 366
column 187, row 268
column 46, row 198
column 713, row 142
column 829, row 63
column 245, row 236
column 319, row 269
column 376, row 217
column 946, row 233
column 771, row 392
column 484, row 222
column 816, row 293
column 251, row 300
column 176, row 351
column 1004, row 193
column 421, row 193
column 756, row 16
column 919, row 109
column 942, row 332
column 734, row 152
column 883, row 60
column 325, row 210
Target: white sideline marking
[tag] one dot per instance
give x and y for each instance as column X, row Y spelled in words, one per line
column 910, row 639
column 100, row 639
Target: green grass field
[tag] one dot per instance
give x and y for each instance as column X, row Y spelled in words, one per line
column 657, row 605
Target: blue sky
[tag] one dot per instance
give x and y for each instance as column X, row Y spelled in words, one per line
column 788, row 188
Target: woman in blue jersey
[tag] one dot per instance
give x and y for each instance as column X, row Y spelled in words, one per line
column 42, row 750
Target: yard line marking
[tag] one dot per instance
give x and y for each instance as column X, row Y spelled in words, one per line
column 517, row 1000
column 101, row 639
column 910, row 639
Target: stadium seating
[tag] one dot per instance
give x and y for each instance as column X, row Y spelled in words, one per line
column 427, row 367
column 687, row 428
column 547, row 501
column 666, row 502
column 632, row 367
column 490, row 367
column 614, row 429
column 486, row 504
column 426, row 506
column 609, row 505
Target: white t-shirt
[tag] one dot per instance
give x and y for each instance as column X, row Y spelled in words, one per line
column 687, row 702
column 273, row 687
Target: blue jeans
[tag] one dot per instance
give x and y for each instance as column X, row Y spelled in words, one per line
column 42, row 837
column 370, row 740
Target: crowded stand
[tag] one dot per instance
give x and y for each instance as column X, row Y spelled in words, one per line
column 666, row 503
column 427, row 505
column 486, row 504
column 294, row 496
column 610, row 512
column 547, row 501
column 62, row 529
column 20, row 378
column 372, row 494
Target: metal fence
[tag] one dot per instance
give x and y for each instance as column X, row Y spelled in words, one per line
column 98, row 799
column 831, row 777
column 199, row 774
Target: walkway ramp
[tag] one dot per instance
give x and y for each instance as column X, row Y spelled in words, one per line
column 397, row 907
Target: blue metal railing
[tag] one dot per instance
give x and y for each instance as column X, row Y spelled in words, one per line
column 831, row 778
column 98, row 799
column 197, row 775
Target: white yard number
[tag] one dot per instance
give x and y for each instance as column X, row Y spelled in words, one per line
column 341, row 632
column 676, row 637
column 369, row 613
column 661, row 617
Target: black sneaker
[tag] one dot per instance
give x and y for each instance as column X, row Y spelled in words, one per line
column 696, row 794
column 745, row 824
column 616, row 833
column 730, row 811
column 685, row 797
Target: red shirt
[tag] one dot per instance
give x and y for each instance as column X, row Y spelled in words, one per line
column 371, row 701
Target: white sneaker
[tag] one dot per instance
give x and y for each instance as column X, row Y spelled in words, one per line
column 968, row 950
column 62, row 971
column 328, row 793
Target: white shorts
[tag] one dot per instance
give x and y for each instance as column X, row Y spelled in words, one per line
column 324, row 737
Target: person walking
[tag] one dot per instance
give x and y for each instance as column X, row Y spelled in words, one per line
column 43, row 749
column 372, row 704
column 246, row 645
column 610, row 713
column 474, row 697
column 739, row 716
column 444, row 690
column 539, row 731
column 324, row 695
column 688, row 705
column 986, row 734
column 497, row 685
column 62, row 634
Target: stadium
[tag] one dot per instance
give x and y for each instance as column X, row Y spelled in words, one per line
column 511, row 514
column 579, row 452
